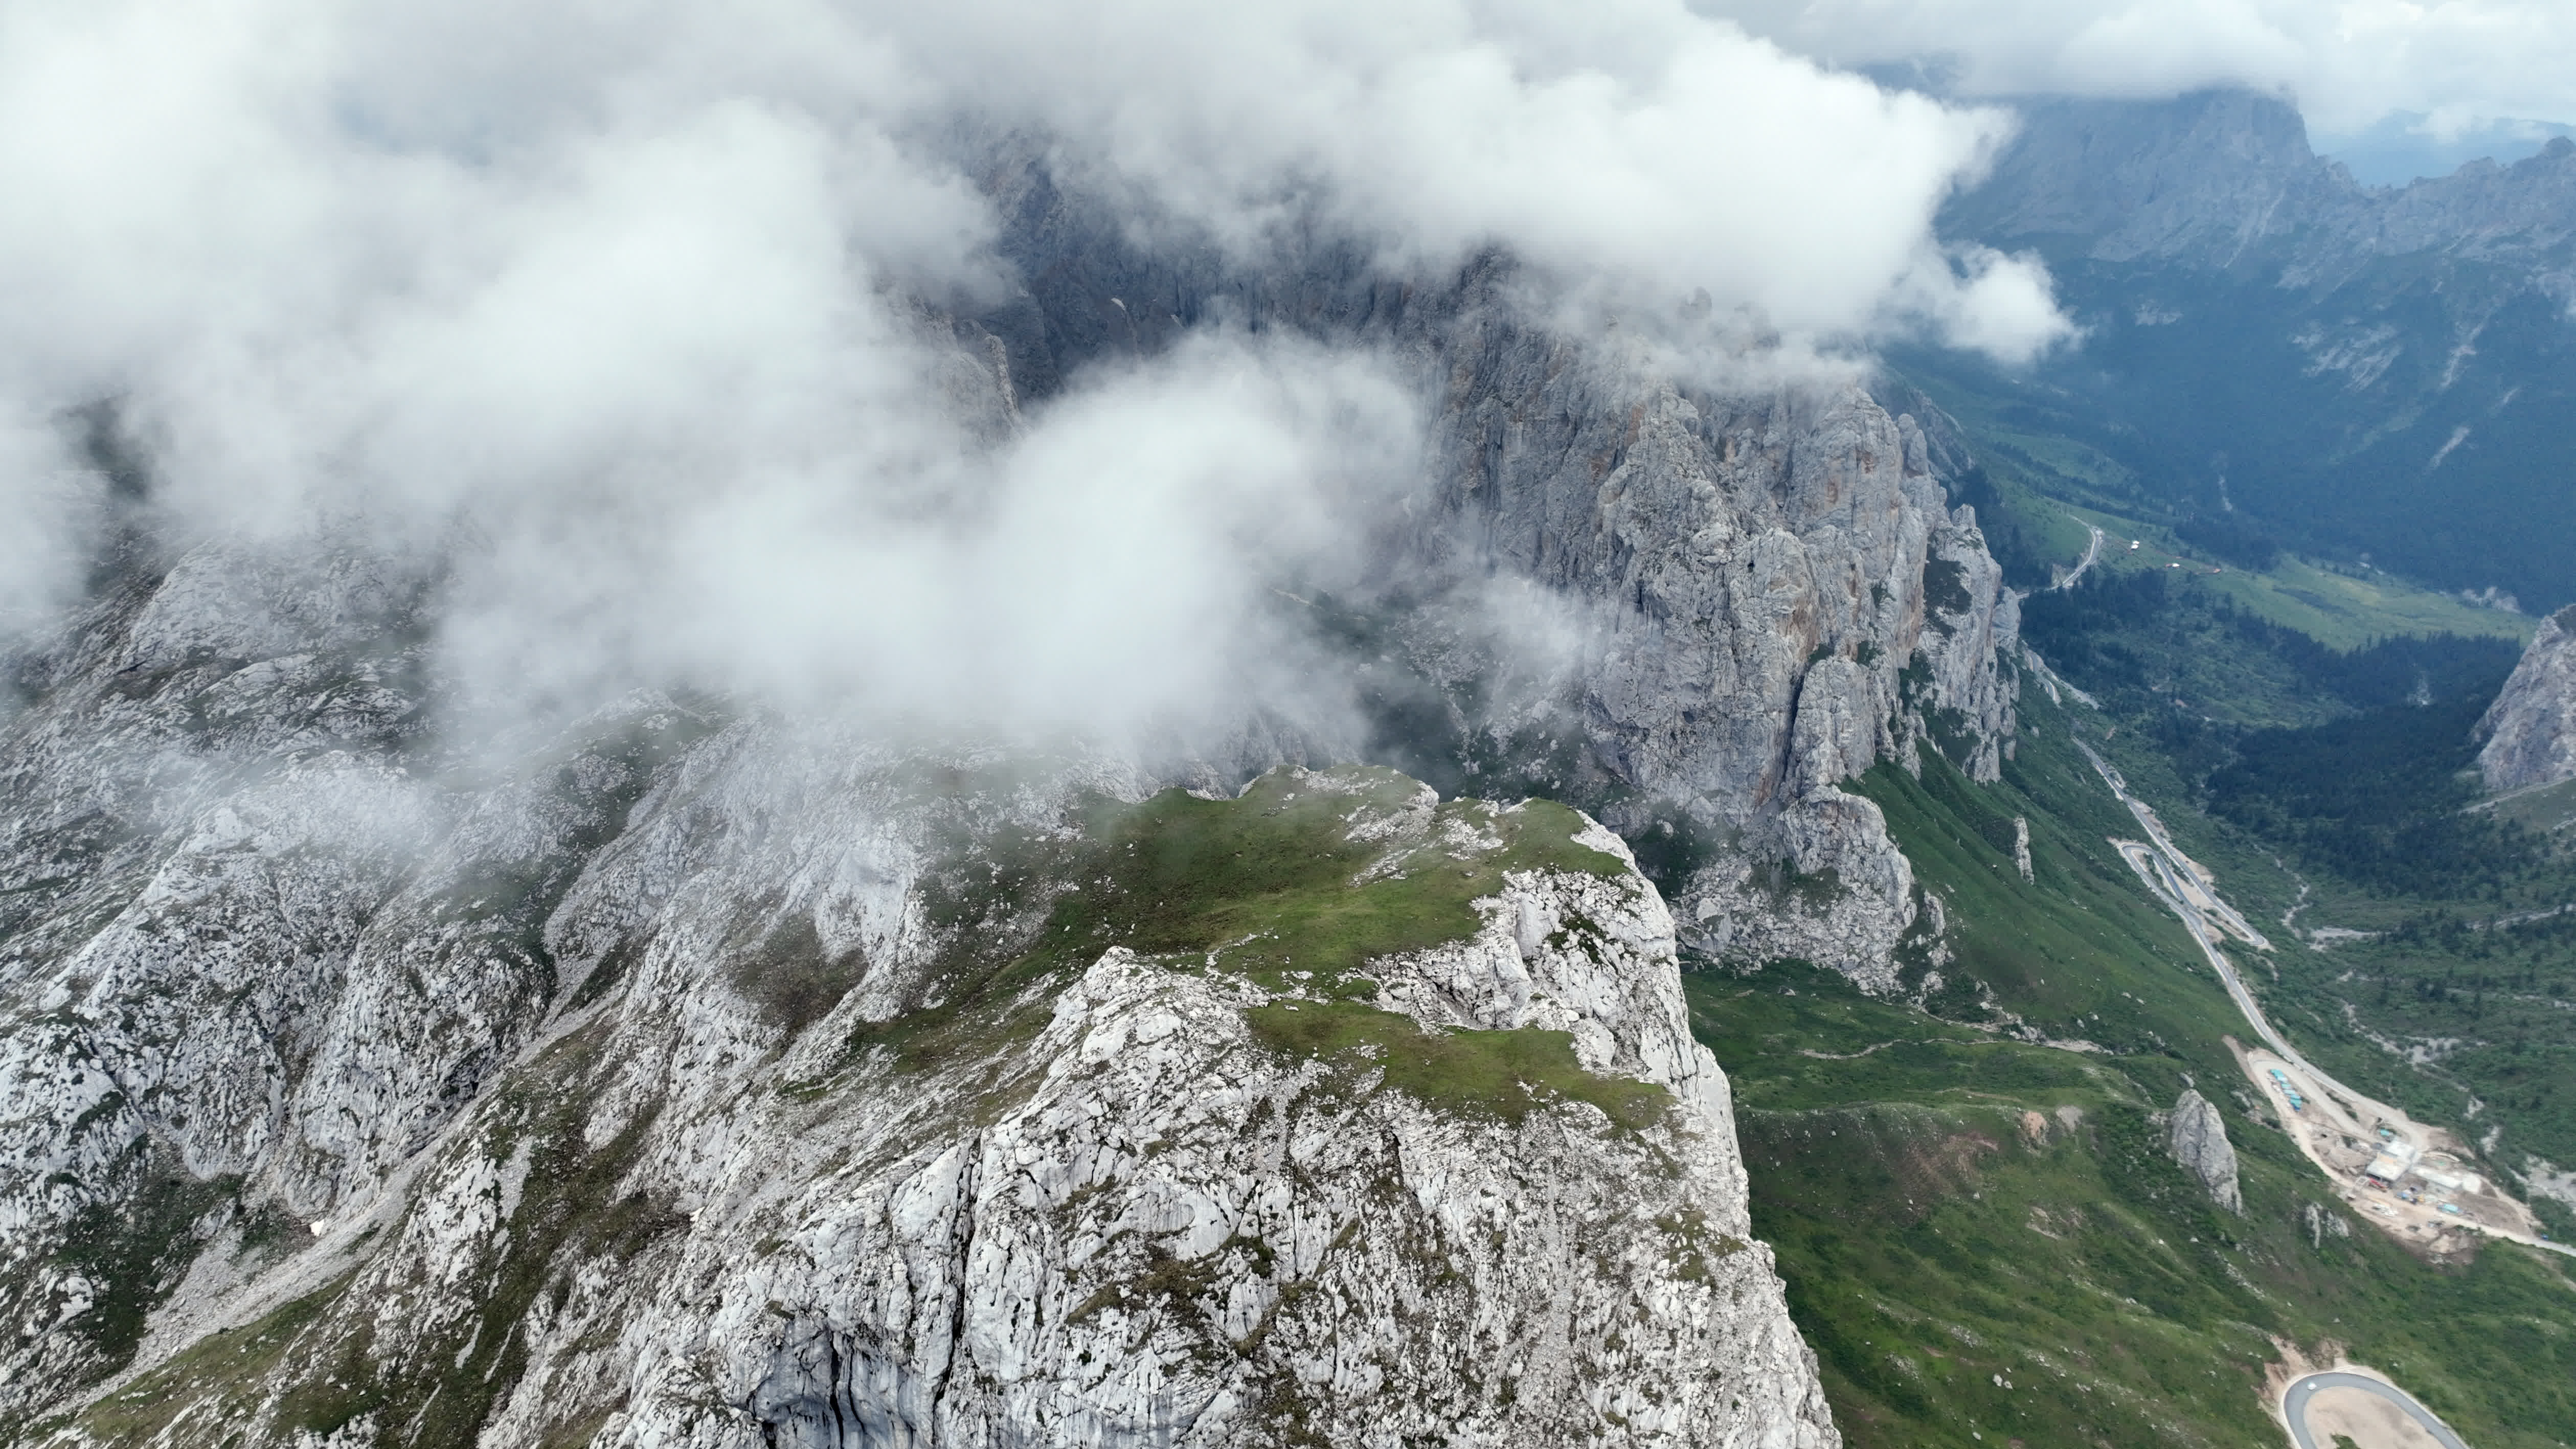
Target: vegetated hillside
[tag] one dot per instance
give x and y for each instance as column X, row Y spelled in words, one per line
column 2308, row 736
column 1983, row 1235
column 2459, row 1000
column 2242, row 431
column 2345, row 770
column 2048, row 461
column 2354, row 759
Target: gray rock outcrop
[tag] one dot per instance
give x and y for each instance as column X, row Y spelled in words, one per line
column 2530, row 730
column 661, row 1094
column 1783, row 598
column 1773, row 588
column 2324, row 1223
column 2197, row 1137
column 698, row 1077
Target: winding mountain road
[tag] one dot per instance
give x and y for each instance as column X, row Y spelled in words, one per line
column 2185, row 888
column 2296, row 1402
column 2092, row 551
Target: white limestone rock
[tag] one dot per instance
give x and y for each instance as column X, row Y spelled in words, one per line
column 528, row 1106
column 2197, row 1137
column 2530, row 730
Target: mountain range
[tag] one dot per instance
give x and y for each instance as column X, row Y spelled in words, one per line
column 1477, row 1070
column 2277, row 352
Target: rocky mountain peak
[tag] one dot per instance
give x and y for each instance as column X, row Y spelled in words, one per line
column 2196, row 175
column 697, row 1075
column 720, row 1084
column 2226, row 179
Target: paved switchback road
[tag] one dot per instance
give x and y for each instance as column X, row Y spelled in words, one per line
column 2295, row 1403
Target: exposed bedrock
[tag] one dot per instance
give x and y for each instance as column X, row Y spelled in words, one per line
column 2530, row 730
column 2197, row 1136
column 1773, row 590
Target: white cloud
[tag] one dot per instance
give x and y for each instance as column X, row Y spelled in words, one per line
column 2348, row 62
column 1111, row 570
column 1993, row 301
column 49, row 506
column 627, row 292
column 1628, row 146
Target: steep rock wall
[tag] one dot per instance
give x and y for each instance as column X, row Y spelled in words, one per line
column 710, row 1083
column 1774, row 589
column 2530, row 730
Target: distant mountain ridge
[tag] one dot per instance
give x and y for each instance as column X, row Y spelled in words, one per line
column 2226, row 180
column 2376, row 374
column 2407, row 146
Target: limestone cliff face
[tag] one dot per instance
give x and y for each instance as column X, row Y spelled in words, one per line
column 1782, row 598
column 1775, row 591
column 2530, row 730
column 1790, row 602
column 707, row 1082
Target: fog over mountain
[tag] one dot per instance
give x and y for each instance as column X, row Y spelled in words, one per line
column 609, row 606
column 624, row 302
column 1163, row 726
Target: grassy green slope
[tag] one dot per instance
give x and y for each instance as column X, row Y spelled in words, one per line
column 2049, row 480
column 2454, row 998
column 2459, row 1007
column 1952, row 1208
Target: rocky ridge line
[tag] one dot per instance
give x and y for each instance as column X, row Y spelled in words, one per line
column 286, row 980
column 1189, row 1199
column 2226, row 178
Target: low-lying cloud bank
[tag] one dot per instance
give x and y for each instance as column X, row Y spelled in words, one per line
column 634, row 296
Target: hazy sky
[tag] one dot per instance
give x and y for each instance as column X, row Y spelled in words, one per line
column 2348, row 62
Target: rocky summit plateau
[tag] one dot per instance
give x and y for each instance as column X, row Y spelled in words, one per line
column 713, row 1082
column 1025, row 1115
